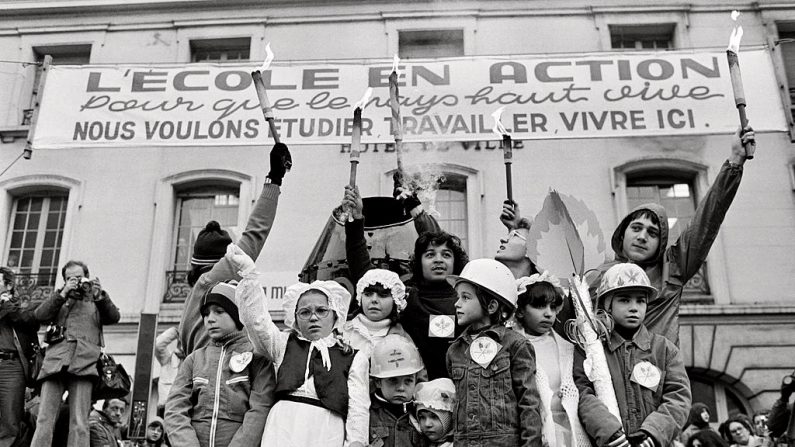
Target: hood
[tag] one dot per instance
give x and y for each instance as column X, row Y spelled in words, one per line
column 618, row 235
column 157, row 420
column 695, row 415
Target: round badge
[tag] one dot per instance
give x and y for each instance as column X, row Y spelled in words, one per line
column 442, row 326
column 483, row 350
column 238, row 362
column 646, row 374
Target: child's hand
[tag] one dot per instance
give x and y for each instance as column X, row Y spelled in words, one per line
column 619, row 439
column 640, row 439
column 241, row 262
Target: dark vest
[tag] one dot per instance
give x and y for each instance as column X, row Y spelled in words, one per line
column 331, row 386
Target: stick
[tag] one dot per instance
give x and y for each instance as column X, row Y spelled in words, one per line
column 45, row 68
column 397, row 124
column 507, row 156
column 739, row 96
column 267, row 110
column 356, row 143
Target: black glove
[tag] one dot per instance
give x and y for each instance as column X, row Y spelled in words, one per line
column 281, row 162
column 410, row 202
column 640, row 438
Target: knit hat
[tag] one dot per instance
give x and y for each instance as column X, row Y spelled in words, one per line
column 438, row 397
column 210, row 245
column 223, row 295
column 386, row 278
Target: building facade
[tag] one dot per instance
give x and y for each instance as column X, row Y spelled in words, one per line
column 132, row 211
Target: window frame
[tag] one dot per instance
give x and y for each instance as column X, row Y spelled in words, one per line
column 189, row 32
column 233, row 44
column 395, row 24
column 638, row 36
column 679, row 18
column 680, row 168
column 406, row 32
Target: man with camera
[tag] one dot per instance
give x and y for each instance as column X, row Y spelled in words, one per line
column 76, row 314
column 781, row 421
column 18, row 337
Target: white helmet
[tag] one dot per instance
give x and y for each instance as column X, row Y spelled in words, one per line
column 624, row 276
column 393, row 356
column 491, row 275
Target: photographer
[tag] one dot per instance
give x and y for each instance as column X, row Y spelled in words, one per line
column 781, row 421
column 76, row 314
column 18, row 329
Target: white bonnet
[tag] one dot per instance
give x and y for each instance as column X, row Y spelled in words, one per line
column 338, row 300
column 389, row 279
column 438, row 394
column 523, row 283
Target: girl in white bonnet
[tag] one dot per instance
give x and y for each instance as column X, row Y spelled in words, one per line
column 381, row 296
column 322, row 390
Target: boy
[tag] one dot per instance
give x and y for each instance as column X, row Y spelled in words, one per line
column 223, row 392
column 647, row 370
column 395, row 362
column 434, row 402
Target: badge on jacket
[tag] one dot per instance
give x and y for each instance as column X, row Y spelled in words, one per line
column 441, row 326
column 646, row 375
column 239, row 361
column 483, row 349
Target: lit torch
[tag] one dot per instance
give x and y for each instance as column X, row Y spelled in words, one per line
column 394, row 103
column 262, row 94
column 507, row 152
column 356, row 143
column 737, row 80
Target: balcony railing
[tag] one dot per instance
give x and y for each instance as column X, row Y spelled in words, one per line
column 33, row 288
column 177, row 288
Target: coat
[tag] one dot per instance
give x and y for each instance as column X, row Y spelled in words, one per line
column 211, row 404
column 192, row 334
column 496, row 405
column 659, row 409
column 392, row 430
column 23, row 323
column 101, row 430
column 674, row 266
column 83, row 320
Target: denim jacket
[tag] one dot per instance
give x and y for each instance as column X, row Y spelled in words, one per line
column 497, row 405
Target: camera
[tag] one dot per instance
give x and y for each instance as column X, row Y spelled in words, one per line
column 55, row 334
column 83, row 290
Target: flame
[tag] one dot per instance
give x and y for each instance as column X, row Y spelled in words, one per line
column 734, row 39
column 499, row 129
column 365, row 98
column 268, row 58
column 735, row 14
column 395, row 63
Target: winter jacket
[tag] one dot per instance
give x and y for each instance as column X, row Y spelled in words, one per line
column 422, row 299
column 23, row 323
column 102, row 431
column 392, row 430
column 83, row 320
column 212, row 405
column 496, row 405
column 660, row 410
column 673, row 266
column 192, row 334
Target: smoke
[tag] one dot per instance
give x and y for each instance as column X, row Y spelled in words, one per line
column 423, row 180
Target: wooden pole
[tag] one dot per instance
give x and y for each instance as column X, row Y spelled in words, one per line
column 739, row 97
column 267, row 110
column 34, row 119
column 507, row 155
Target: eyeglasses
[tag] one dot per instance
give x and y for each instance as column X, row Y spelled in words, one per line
column 306, row 313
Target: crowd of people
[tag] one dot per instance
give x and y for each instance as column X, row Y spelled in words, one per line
column 459, row 353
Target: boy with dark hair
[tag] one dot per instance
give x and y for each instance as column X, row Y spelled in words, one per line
column 647, row 370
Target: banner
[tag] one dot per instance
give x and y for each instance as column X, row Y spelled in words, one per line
column 600, row 95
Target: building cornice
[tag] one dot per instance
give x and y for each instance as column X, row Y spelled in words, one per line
column 740, row 314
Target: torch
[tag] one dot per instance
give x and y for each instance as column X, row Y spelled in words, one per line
column 262, row 94
column 397, row 124
column 737, row 80
column 356, row 142
column 507, row 152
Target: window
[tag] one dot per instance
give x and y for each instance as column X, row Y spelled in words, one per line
column 786, row 36
column 61, row 55
column 677, row 195
column 36, row 235
column 451, row 204
column 430, row 43
column 642, row 37
column 220, row 50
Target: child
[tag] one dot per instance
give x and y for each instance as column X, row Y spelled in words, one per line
column 429, row 316
column 434, row 402
column 540, row 300
column 492, row 367
column 395, row 364
column 381, row 296
column 223, row 392
column 647, row 370
column 322, row 391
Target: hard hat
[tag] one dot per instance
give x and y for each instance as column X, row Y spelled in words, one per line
column 437, row 394
column 393, row 356
column 624, row 276
column 490, row 275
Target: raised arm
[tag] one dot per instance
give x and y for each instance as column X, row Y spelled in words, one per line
column 355, row 244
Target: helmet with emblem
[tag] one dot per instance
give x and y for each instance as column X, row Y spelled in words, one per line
column 491, row 276
column 393, row 356
column 624, row 276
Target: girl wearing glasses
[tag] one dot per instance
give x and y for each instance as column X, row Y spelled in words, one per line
column 322, row 388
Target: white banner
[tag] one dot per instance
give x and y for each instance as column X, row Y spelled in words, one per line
column 603, row 95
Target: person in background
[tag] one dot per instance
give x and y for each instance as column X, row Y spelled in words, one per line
column 706, row 438
column 782, row 417
column 739, row 431
column 104, row 424
column 434, row 403
column 697, row 421
column 156, row 433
